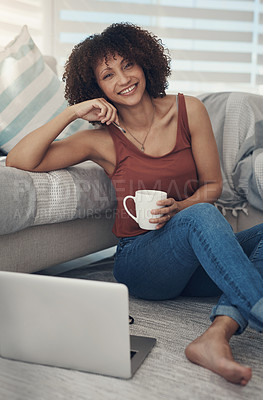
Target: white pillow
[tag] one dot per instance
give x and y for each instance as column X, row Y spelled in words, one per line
column 30, row 92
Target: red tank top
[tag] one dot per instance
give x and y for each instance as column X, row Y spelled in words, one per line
column 174, row 173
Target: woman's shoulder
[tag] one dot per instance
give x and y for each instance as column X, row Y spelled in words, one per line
column 169, row 102
column 193, row 104
column 196, row 111
column 168, row 99
column 96, row 140
column 100, row 145
column 171, row 99
column 95, row 134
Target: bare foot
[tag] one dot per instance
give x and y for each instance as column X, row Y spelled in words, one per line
column 212, row 351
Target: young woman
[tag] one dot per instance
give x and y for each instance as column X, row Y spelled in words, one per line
column 149, row 140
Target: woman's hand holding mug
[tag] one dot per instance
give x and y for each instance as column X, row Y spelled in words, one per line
column 147, row 204
column 169, row 207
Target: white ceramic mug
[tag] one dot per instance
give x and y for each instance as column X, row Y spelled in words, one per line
column 145, row 201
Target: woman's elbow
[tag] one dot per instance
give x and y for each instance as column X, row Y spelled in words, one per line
column 12, row 161
column 8, row 161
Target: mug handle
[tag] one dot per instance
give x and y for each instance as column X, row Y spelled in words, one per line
column 126, row 209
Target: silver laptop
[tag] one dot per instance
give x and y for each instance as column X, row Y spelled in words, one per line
column 70, row 323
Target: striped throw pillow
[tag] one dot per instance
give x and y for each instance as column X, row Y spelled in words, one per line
column 30, row 92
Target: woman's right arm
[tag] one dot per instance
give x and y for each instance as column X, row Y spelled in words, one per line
column 38, row 152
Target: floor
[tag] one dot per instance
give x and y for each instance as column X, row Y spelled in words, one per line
column 166, row 374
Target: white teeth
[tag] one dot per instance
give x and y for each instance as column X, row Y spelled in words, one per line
column 128, row 90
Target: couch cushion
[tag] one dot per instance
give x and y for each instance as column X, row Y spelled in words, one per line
column 30, row 92
column 39, row 198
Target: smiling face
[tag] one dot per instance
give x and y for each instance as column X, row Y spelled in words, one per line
column 121, row 80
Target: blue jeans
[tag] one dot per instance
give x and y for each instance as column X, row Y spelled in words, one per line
column 197, row 254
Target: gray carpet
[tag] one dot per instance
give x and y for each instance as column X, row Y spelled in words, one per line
column 166, row 373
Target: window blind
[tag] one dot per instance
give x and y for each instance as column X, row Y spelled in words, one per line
column 215, row 45
column 16, row 13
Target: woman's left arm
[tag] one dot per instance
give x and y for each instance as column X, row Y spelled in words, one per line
column 206, row 158
column 205, row 154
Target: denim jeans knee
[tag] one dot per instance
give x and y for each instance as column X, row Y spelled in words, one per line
column 206, row 215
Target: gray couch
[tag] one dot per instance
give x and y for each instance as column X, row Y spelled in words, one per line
column 39, row 247
column 50, row 218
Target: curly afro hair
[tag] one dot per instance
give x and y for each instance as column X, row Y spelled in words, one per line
column 130, row 42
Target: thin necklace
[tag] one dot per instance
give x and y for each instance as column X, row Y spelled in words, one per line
column 147, row 133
